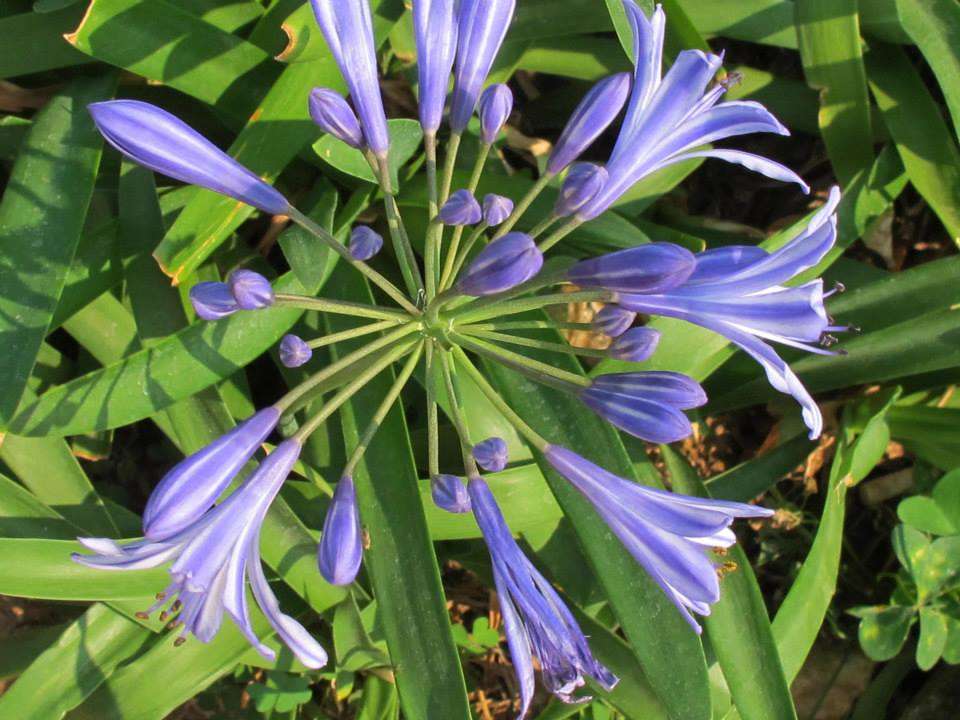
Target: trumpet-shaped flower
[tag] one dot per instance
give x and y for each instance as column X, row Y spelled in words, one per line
column 435, row 30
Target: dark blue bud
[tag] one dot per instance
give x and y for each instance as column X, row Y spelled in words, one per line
column 496, row 209
column 495, row 107
column 582, row 182
column 450, row 494
column 341, row 545
column 250, row 289
column 334, row 116
column 364, row 243
column 501, row 265
column 651, row 268
column 213, row 300
column 461, row 209
column 294, row 352
column 613, row 320
column 491, row 454
column 635, row 345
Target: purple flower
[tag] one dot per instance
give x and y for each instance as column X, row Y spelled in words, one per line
column 667, row 533
column 194, row 484
column 435, row 28
column 461, row 208
column 644, row 268
column 482, row 26
column 635, row 345
column 450, row 494
column 156, row 139
column 592, row 116
column 738, row 292
column 496, row 104
column 668, row 119
column 334, row 116
column 341, row 545
column 496, row 209
column 294, row 352
column 491, row 454
column 250, row 289
column 537, row 623
column 582, row 182
column 648, row 405
column 348, row 29
column 365, row 243
column 501, row 265
column 211, row 559
column 613, row 320
column 213, row 300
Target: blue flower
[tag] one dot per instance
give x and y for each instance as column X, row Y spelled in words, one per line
column 334, row 116
column 614, row 320
column 491, row 454
column 294, row 352
column 648, row 405
column 482, row 25
column 501, row 265
column 582, row 183
column 250, row 289
column 365, row 243
column 211, row 560
column 667, row 533
column 537, row 623
column 737, row 291
column 435, row 29
column 348, row 29
column 635, row 345
column 496, row 209
column 450, row 494
column 461, row 208
column 496, row 104
column 341, row 546
column 164, row 143
column 645, row 268
column 213, row 300
column 668, row 119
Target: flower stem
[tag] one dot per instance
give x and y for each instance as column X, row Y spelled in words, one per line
column 431, row 251
column 347, row 361
column 354, row 386
column 456, row 255
column 512, row 307
column 529, row 325
column 340, row 307
column 449, row 164
column 352, row 334
column 433, row 423
column 523, row 205
column 532, row 436
column 539, row 371
column 398, row 232
column 532, row 343
column 372, row 275
column 544, row 225
column 389, row 399
column 457, row 417
column 560, row 233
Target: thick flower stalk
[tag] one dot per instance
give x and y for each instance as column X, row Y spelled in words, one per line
column 477, row 291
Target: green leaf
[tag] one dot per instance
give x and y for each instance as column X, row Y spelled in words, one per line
column 753, row 477
column 738, row 626
column 282, row 693
column 924, row 141
column 23, row 516
column 883, row 630
column 405, row 137
column 933, row 637
column 46, row 200
column 85, row 654
column 400, row 558
column 908, row 544
column 829, row 39
column 380, row 700
column 951, row 649
column 926, row 515
column 936, row 567
column 33, row 43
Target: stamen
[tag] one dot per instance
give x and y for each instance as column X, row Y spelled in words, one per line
column 731, row 80
column 828, row 340
column 838, row 288
column 179, row 641
column 141, row 615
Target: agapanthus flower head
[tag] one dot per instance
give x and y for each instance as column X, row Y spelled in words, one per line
column 668, row 118
column 461, row 208
column 496, row 104
column 435, row 30
column 365, row 243
column 635, row 345
column 502, row 265
column 250, row 289
column 482, row 25
column 294, row 351
column 614, row 320
column 491, row 454
column 194, row 484
column 211, row 560
column 598, row 109
column 348, row 29
column 162, row 142
column 737, row 291
column 537, row 622
column 582, row 182
column 213, row 300
column 644, row 268
column 496, row 209
column 667, row 533
column 450, row 493
column 333, row 114
column 648, row 405
column 341, row 545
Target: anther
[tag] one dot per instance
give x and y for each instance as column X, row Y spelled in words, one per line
column 732, row 79
column 142, row 615
column 164, row 615
column 828, row 341
column 179, row 641
column 161, row 595
column 176, row 606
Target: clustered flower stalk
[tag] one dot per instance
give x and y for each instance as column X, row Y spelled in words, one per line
column 458, row 304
